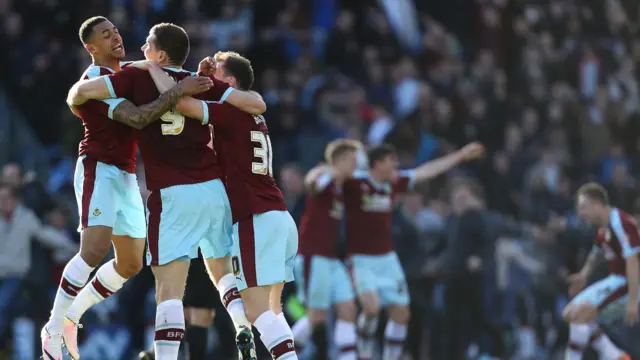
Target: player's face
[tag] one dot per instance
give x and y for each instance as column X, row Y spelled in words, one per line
column 221, row 75
column 347, row 163
column 151, row 51
column 388, row 167
column 106, row 41
column 588, row 209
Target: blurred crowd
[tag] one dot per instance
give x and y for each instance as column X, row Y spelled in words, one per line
column 551, row 88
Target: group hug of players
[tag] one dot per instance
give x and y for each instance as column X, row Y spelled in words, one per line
column 223, row 203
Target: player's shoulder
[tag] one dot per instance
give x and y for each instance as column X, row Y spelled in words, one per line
column 179, row 73
column 93, row 71
column 619, row 217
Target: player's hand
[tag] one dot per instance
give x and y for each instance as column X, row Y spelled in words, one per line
column 631, row 316
column 207, row 66
column 471, row 151
column 195, row 85
column 576, row 283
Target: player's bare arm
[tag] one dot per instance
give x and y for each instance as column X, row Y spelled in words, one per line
column 436, row 167
column 248, row 101
column 139, row 117
column 85, row 90
column 633, row 281
column 313, row 174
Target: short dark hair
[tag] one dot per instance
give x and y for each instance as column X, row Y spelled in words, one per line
column 86, row 29
column 338, row 147
column 173, row 40
column 237, row 66
column 594, row 191
column 379, row 153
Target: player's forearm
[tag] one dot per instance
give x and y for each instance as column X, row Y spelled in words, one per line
column 139, row 117
column 313, row 174
column 436, row 167
column 191, row 108
column 97, row 88
column 633, row 278
column 74, row 98
column 163, row 81
column 590, row 264
column 247, row 102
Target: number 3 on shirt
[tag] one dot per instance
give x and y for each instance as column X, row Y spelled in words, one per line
column 264, row 167
column 175, row 122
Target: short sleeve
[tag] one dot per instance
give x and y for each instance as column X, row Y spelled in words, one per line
column 120, row 84
column 111, row 105
column 214, row 112
column 405, row 181
column 218, row 92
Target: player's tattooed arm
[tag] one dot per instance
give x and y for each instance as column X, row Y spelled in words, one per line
column 139, row 117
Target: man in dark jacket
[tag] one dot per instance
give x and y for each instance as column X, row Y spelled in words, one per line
column 470, row 248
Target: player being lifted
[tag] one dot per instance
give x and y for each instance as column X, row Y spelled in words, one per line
column 616, row 295
column 265, row 236
column 377, row 273
column 323, row 280
column 106, row 187
column 188, row 206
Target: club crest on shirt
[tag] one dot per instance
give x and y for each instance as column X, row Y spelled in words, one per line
column 96, row 212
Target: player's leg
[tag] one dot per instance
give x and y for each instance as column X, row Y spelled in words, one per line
column 129, row 232
column 604, row 346
column 94, row 187
column 367, row 293
column 261, row 246
column 171, row 279
column 199, row 320
column 108, row 279
column 345, row 333
column 314, row 290
column 178, row 218
column 579, row 335
column 586, row 306
column 200, row 302
column 216, row 248
column 395, row 296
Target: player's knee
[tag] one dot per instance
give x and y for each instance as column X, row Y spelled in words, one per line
column 347, row 311
column 317, row 317
column 93, row 255
column 127, row 269
column 370, row 305
column 400, row 314
column 568, row 312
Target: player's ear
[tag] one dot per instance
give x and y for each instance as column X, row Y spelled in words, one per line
column 90, row 48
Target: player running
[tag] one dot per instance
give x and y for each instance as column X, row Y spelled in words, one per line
column 378, row 276
column 109, row 201
column 323, row 280
column 188, row 206
column 265, row 236
column 616, row 295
